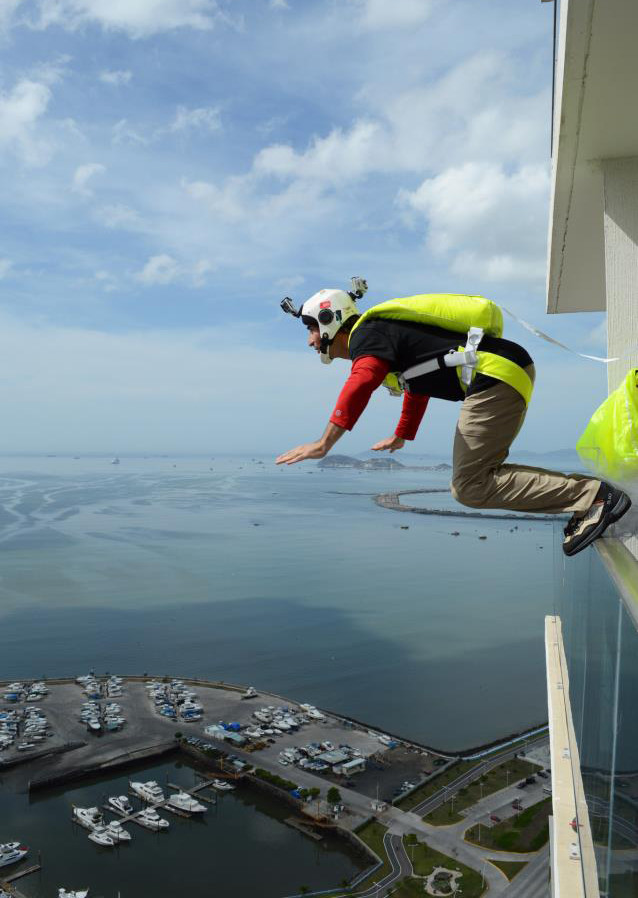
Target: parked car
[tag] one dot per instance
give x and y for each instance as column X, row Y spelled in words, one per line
column 542, row 774
column 530, row 779
column 522, row 785
column 494, row 818
column 517, row 805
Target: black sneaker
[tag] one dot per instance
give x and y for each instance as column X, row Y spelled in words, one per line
column 606, row 510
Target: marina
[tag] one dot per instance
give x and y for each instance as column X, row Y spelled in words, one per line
column 327, row 775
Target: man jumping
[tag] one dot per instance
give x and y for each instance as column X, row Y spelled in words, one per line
column 427, row 346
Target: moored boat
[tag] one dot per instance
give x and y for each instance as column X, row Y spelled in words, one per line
column 151, row 820
column 148, row 791
column 185, row 802
column 222, row 786
column 89, row 818
column 102, row 838
column 12, row 855
column 121, row 803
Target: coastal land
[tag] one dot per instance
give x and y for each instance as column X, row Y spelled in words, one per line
column 398, row 789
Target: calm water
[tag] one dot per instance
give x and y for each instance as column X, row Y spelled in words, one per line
column 197, row 857
column 291, row 579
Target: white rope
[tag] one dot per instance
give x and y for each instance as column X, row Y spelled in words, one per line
column 548, row 339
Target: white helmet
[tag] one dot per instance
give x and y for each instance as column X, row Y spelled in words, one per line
column 329, row 310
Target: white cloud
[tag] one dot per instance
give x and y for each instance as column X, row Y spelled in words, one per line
column 279, row 4
column 206, row 117
column 7, row 11
column 117, row 77
column 341, row 156
column 5, row 267
column 20, row 110
column 123, row 133
column 162, row 269
column 290, row 283
column 118, row 215
column 137, row 18
column 490, row 223
column 106, row 280
column 83, row 174
column 200, row 270
column 231, row 202
column 382, row 14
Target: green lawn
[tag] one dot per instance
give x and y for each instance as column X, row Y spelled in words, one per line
column 425, row 859
column 509, row 868
column 433, row 785
column 493, row 781
column 527, row 831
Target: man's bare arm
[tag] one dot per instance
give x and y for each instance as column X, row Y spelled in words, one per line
column 318, row 449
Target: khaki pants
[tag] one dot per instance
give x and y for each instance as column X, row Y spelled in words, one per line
column 488, row 423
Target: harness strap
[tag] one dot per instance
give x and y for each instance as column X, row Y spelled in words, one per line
column 500, row 368
column 466, row 359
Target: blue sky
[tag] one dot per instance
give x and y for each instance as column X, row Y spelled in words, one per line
column 172, row 168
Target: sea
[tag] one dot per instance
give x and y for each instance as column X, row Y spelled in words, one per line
column 291, row 579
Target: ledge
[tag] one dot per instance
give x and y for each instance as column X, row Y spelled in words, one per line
column 573, row 862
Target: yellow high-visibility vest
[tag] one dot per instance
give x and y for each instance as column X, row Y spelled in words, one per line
column 454, row 312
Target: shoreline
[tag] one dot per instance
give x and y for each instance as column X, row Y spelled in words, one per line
column 129, row 756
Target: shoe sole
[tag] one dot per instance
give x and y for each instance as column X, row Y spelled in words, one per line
column 621, row 507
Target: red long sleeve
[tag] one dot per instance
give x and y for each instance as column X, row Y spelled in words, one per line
column 366, row 375
column 414, row 406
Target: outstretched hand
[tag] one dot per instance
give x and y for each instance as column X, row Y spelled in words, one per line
column 390, row 444
column 301, row 453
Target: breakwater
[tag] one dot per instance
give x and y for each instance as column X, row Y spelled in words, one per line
column 393, row 502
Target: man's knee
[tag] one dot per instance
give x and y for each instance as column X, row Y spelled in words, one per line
column 469, row 491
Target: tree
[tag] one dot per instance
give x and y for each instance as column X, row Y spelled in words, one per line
column 334, row 795
column 314, row 792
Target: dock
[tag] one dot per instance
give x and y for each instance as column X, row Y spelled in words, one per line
column 7, row 882
column 196, row 790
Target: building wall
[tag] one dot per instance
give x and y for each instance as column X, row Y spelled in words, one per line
column 601, row 647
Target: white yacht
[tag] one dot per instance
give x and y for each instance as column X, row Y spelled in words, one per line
column 74, row 893
column 121, row 803
column 151, row 820
column 148, row 791
column 222, row 786
column 101, row 837
column 116, row 831
column 12, row 855
column 185, row 802
column 89, row 818
column 251, row 692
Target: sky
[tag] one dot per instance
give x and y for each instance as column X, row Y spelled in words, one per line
column 172, row 168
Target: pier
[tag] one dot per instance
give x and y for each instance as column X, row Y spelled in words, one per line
column 6, row 883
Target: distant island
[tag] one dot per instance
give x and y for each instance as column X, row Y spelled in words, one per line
column 382, row 462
